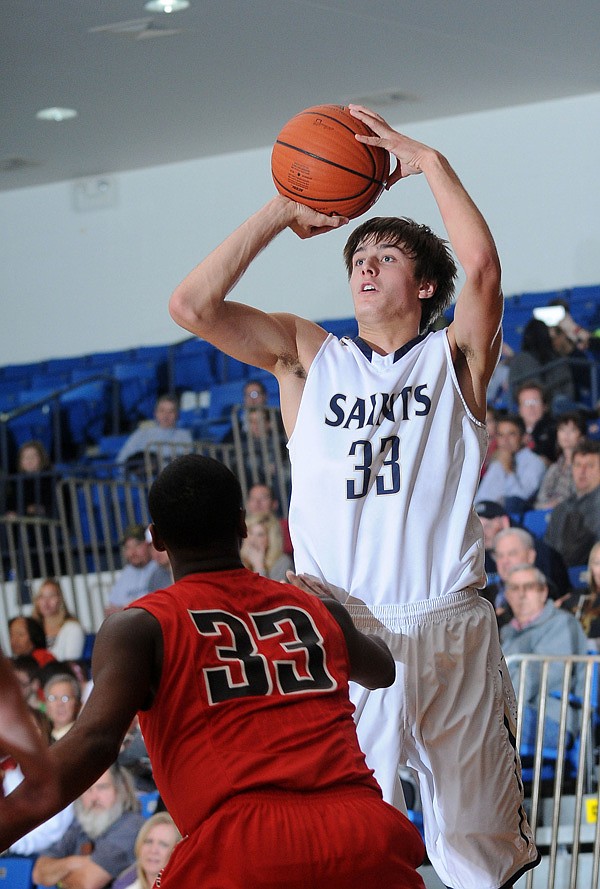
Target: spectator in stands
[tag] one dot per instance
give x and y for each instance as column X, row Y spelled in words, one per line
column 140, row 575
column 540, row 426
column 49, row 831
column 262, row 550
column 512, row 546
column 539, row 362
column 515, row 473
column 99, row 844
column 65, row 636
column 537, row 627
column 558, row 482
column 31, row 492
column 27, row 671
column 516, row 546
column 262, row 501
column 161, row 435
column 62, row 694
column 27, row 637
column 263, row 445
column 578, row 335
column 156, row 840
column 574, row 525
column 585, row 604
column 255, row 394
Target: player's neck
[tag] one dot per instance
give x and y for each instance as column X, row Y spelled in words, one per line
column 203, row 564
column 386, row 340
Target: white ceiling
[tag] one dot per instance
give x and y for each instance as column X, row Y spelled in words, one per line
column 236, row 70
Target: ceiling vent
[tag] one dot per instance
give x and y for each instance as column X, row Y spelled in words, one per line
column 137, row 29
column 14, row 164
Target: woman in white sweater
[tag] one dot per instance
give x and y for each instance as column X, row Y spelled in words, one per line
column 65, row 637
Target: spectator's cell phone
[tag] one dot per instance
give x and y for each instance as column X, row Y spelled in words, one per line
column 550, row 315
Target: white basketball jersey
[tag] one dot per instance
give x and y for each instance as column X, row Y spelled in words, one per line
column 385, row 461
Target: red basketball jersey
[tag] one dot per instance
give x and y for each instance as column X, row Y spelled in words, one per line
column 253, row 694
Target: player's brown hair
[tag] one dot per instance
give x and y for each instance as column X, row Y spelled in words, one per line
column 430, row 253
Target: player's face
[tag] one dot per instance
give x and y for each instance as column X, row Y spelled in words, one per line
column 382, row 281
column 525, row 595
column 156, row 849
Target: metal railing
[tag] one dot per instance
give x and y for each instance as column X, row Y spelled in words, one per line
column 560, row 776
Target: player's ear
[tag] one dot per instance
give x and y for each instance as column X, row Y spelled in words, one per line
column 427, row 289
column 156, row 540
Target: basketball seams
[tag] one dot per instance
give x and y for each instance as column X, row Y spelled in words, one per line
column 331, row 163
column 316, row 160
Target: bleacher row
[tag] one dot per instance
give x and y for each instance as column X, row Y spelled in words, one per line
column 73, row 404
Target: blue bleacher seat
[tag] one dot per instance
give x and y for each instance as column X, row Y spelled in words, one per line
column 340, row 326
column 138, row 388
column 148, row 801
column 578, row 576
column 110, row 445
column 15, row 872
column 229, row 369
column 536, row 521
column 193, row 372
column 223, row 396
column 86, row 410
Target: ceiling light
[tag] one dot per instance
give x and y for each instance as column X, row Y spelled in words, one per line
column 56, row 114
column 166, row 5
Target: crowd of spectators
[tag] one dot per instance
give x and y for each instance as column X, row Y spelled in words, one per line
column 539, row 458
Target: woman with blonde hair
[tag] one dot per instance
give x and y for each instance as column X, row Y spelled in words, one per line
column 262, row 550
column 65, row 637
column 156, row 840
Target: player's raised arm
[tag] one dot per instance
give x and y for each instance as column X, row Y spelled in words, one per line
column 248, row 334
column 475, row 332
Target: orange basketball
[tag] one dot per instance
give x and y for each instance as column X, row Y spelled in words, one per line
column 317, row 161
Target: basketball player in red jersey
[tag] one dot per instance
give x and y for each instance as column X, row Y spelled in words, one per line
column 241, row 684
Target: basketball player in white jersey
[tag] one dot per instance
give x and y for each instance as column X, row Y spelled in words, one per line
column 386, row 440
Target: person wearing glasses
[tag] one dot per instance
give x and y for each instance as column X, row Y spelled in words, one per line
column 63, row 702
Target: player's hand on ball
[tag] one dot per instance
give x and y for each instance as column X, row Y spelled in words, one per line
column 306, row 222
column 408, row 152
